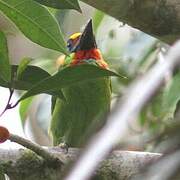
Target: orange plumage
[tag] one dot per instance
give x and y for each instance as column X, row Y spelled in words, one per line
column 93, row 53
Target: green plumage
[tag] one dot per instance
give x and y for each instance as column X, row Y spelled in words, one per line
column 83, row 111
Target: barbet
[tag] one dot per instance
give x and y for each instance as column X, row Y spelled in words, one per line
column 86, row 103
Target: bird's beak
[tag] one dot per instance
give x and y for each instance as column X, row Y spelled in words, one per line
column 87, row 40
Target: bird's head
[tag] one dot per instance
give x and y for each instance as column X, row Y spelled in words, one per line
column 83, row 46
column 73, row 41
column 82, row 41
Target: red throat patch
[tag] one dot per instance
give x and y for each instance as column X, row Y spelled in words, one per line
column 89, row 54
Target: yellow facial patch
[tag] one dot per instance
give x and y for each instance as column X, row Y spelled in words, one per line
column 75, row 35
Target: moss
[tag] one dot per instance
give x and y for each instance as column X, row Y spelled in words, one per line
column 5, row 165
column 105, row 172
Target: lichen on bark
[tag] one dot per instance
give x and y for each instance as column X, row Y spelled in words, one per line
column 30, row 166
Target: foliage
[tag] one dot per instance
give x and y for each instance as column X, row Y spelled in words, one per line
column 38, row 25
column 41, row 27
column 5, row 71
column 131, row 56
column 61, row 4
column 67, row 77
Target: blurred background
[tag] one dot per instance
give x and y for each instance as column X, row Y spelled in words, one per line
column 128, row 52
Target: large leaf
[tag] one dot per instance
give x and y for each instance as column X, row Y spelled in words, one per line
column 36, row 23
column 5, row 69
column 172, row 96
column 24, row 107
column 61, row 4
column 67, row 77
column 31, row 76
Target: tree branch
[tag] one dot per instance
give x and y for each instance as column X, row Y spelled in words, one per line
column 165, row 168
column 21, row 164
column 35, row 148
column 160, row 19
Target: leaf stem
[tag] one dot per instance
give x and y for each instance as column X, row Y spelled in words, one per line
column 11, row 91
column 8, row 105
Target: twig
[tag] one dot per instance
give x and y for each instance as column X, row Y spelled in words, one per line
column 35, row 148
column 126, row 110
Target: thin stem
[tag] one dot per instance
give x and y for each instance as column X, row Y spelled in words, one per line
column 8, row 105
column 36, row 148
column 13, row 106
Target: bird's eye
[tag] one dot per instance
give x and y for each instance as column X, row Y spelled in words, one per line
column 69, row 44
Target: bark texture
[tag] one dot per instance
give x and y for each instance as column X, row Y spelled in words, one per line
column 159, row 18
column 23, row 164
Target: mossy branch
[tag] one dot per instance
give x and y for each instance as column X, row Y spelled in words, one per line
column 22, row 164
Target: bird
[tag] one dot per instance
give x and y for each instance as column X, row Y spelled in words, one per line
column 86, row 104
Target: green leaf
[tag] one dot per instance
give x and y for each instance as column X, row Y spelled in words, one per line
column 22, row 66
column 172, row 96
column 97, row 19
column 31, row 76
column 35, row 22
column 152, row 114
column 61, row 4
column 67, row 77
column 23, row 109
column 143, row 116
column 5, row 69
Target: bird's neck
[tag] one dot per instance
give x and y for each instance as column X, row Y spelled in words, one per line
column 87, row 54
column 93, row 53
